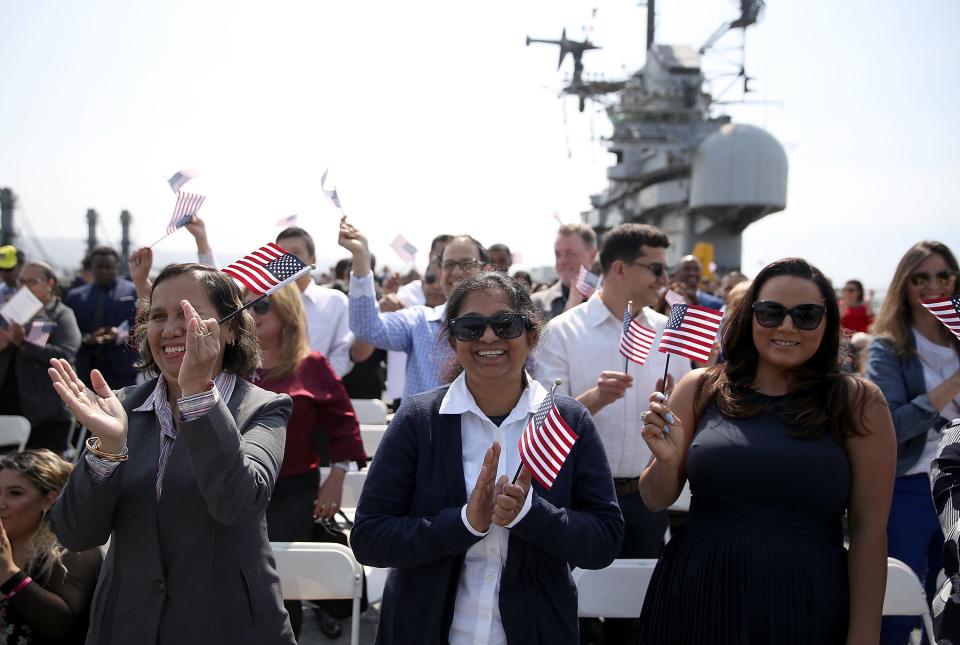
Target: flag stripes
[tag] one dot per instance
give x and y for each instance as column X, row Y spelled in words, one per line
column 947, row 311
column 691, row 332
column 267, row 269
column 39, row 332
column 546, row 442
column 587, row 282
column 186, row 207
column 404, row 249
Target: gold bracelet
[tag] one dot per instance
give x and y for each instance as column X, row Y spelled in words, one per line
column 93, row 445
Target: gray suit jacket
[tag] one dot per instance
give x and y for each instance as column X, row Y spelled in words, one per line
column 195, row 567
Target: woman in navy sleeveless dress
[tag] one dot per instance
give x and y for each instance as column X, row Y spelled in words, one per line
column 778, row 443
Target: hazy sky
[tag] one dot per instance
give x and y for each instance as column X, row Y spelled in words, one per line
column 435, row 117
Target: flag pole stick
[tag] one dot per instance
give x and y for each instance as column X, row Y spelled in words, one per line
column 237, row 311
column 666, row 428
column 163, row 238
column 626, row 359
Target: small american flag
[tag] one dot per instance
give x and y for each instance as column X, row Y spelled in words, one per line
column 404, row 249
column 123, row 332
column 267, row 269
column 40, row 331
column 587, row 282
column 691, row 332
column 179, row 179
column 546, row 442
column 187, row 206
column 285, row 222
column 947, row 311
column 636, row 341
column 331, row 194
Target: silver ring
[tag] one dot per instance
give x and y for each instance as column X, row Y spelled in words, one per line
column 643, row 417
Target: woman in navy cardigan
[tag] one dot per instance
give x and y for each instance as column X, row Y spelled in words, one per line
column 473, row 556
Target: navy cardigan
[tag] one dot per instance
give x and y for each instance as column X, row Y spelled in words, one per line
column 408, row 518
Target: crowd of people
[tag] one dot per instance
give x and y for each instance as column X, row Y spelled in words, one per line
column 810, row 440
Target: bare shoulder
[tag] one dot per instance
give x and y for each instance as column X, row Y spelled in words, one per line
column 869, row 410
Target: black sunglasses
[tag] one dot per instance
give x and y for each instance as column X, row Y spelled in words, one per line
column 655, row 268
column 505, row 325
column 430, row 278
column 922, row 278
column 260, row 307
column 805, row 317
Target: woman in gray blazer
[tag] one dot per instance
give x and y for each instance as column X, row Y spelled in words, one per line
column 178, row 474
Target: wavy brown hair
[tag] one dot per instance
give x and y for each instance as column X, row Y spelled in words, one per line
column 895, row 317
column 824, row 396
column 48, row 472
column 241, row 356
column 294, row 346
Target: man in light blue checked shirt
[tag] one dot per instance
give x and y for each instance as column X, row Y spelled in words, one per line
column 414, row 330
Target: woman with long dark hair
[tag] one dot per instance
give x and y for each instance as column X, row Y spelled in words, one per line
column 915, row 361
column 778, row 442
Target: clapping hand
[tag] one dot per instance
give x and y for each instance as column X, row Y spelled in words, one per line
column 509, row 498
column 98, row 411
column 481, row 503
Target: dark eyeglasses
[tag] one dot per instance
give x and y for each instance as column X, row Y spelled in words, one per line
column 805, row 317
column 505, row 325
column 430, row 278
column 655, row 268
column 260, row 307
column 465, row 265
column 922, row 278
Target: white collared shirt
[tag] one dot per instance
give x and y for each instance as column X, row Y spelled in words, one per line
column 476, row 615
column 328, row 325
column 582, row 342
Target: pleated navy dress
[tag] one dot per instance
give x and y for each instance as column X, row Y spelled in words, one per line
column 761, row 558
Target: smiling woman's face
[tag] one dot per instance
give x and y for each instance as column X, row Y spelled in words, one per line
column 167, row 328
column 22, row 505
column 785, row 346
column 491, row 360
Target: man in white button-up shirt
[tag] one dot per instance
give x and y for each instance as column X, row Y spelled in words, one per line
column 328, row 325
column 581, row 347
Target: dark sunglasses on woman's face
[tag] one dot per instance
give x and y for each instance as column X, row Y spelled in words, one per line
column 505, row 325
column 430, row 278
column 805, row 317
column 260, row 307
column 922, row 278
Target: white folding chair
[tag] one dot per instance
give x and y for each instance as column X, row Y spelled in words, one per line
column 370, row 411
column 14, row 431
column 371, row 435
column 904, row 595
column 320, row 571
column 614, row 592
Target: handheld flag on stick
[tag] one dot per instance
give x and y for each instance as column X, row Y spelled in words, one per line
column 186, row 207
column 288, row 221
column 331, row 194
column 587, row 282
column 546, row 441
column 123, row 332
column 636, row 341
column 39, row 333
column 947, row 311
column 404, row 249
column 691, row 332
column 264, row 271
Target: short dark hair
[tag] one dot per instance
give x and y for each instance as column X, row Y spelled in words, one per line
column 240, row 357
column 624, row 243
column 493, row 282
column 443, row 238
column 500, row 248
column 296, row 231
column 581, row 230
column 342, row 268
column 104, row 250
column 481, row 251
column 858, row 286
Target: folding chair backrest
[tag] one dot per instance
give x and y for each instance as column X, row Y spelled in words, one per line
column 316, row 570
column 14, row 431
column 370, row 411
column 904, row 595
column 616, row 591
column 372, row 435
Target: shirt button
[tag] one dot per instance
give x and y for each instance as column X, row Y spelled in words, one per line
column 158, row 586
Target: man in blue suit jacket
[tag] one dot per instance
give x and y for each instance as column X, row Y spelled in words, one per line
column 101, row 307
